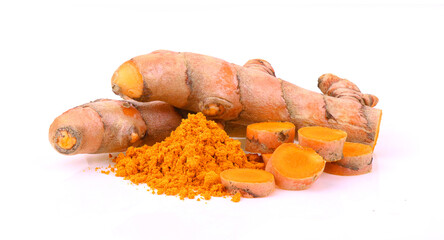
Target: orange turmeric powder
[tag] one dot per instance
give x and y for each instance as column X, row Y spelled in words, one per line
column 188, row 162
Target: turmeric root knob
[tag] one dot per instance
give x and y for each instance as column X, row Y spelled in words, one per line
column 134, row 137
column 213, row 109
column 128, row 81
column 261, row 65
column 335, row 86
column 65, row 139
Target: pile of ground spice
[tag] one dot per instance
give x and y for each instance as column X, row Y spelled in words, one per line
column 188, row 162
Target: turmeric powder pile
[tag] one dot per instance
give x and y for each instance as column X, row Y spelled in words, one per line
column 188, row 162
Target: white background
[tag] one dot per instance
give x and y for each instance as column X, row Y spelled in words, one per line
column 57, row 55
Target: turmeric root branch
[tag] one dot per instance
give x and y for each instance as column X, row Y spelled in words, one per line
column 111, row 126
column 335, row 86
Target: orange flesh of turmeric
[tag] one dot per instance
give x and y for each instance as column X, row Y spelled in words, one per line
column 294, row 161
column 128, row 80
column 271, row 126
column 355, row 149
column 247, row 175
column 65, row 140
column 134, row 137
column 322, row 133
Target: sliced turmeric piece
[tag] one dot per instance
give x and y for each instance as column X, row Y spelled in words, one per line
column 357, row 160
column 265, row 137
column 295, row 167
column 327, row 142
column 250, row 183
column 266, row 157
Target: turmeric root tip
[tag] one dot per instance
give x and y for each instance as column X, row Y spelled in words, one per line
column 65, row 140
column 295, row 167
column 128, row 81
column 327, row 142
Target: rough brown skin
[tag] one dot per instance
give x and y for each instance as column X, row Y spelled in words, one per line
column 105, row 126
column 239, row 95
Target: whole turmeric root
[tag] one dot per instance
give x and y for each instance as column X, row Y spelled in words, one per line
column 241, row 95
column 107, row 125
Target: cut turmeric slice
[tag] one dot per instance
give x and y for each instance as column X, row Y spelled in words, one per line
column 327, row 142
column 250, row 183
column 357, row 160
column 266, row 157
column 265, row 137
column 295, row 167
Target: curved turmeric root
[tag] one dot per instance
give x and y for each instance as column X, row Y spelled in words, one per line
column 250, row 183
column 239, row 95
column 295, row 167
column 265, row 137
column 326, row 142
column 111, row 126
column 357, row 160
